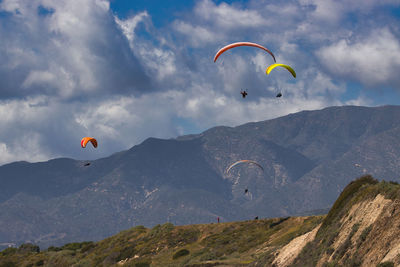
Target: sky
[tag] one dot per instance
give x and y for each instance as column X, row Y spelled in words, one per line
column 123, row 71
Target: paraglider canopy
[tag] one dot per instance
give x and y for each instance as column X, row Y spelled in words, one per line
column 85, row 140
column 273, row 66
column 225, row 48
column 87, row 164
column 244, row 161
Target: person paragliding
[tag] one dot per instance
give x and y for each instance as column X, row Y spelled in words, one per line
column 273, row 66
column 246, row 191
column 84, row 142
column 244, row 93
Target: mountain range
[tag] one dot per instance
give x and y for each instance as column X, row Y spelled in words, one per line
column 308, row 158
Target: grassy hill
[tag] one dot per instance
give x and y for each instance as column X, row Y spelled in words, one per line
column 361, row 229
column 168, row 245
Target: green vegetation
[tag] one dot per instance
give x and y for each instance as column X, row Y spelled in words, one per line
column 364, row 235
column 385, row 264
column 346, row 244
column 254, row 242
column 364, row 188
column 169, row 245
column 180, row 253
column 344, row 198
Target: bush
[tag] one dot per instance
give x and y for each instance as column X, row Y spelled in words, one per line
column 347, row 193
column 71, row 246
column 127, row 252
column 87, row 246
column 28, row 247
column 180, row 253
column 330, row 264
column 140, row 229
column 330, row 250
column 347, row 243
column 385, row 264
column 8, row 264
column 76, row 246
column 364, row 235
column 39, row 263
column 281, row 220
column 53, row 248
column 208, row 256
column 8, row 251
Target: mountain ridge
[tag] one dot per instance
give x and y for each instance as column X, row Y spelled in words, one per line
column 308, row 158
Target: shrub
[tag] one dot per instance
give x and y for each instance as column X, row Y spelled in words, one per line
column 281, row 220
column 347, row 243
column 330, row 250
column 180, row 253
column 76, row 246
column 127, row 252
column 39, row 263
column 28, row 247
column 8, row 251
column 53, row 248
column 87, row 246
column 8, row 264
column 71, row 246
column 330, row 264
column 140, row 229
column 385, row 264
column 364, row 235
column 347, row 193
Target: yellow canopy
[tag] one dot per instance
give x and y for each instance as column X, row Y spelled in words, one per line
column 281, row 65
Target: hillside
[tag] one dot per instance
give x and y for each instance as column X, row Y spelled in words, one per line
column 308, row 158
column 361, row 229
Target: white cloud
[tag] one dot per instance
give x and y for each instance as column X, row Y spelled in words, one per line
column 359, row 101
column 197, row 35
column 128, row 26
column 372, row 60
column 211, row 23
column 227, row 16
column 75, row 50
column 81, row 71
column 38, row 77
column 334, row 10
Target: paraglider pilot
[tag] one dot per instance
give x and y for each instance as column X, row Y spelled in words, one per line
column 244, row 93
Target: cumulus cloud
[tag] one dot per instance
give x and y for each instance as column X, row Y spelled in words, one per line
column 128, row 26
column 227, row 17
column 72, row 68
column 334, row 10
column 74, row 50
column 372, row 60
